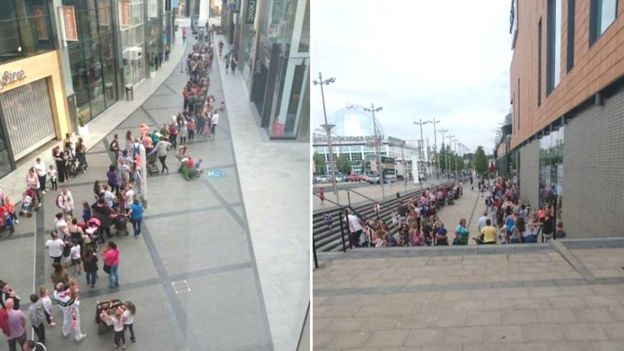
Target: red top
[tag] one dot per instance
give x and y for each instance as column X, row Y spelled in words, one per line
column 111, row 257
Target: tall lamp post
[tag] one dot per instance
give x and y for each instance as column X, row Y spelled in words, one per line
column 443, row 131
column 420, row 123
column 372, row 110
column 328, row 128
column 435, row 146
column 448, row 157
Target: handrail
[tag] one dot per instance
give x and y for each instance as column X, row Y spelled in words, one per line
column 326, row 199
column 304, row 343
column 364, row 196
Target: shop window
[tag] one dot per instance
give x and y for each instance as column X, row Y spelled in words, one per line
column 25, row 29
column 570, row 42
column 602, row 14
column 304, row 41
column 554, row 45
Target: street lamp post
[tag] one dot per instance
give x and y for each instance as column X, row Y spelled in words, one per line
column 435, row 146
column 372, row 110
column 328, row 128
column 420, row 123
column 448, row 156
column 442, row 131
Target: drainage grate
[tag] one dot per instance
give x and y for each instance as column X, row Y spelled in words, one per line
column 181, row 286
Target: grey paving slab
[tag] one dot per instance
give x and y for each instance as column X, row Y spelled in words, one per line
column 220, row 244
column 231, row 303
column 158, row 102
column 176, row 190
column 133, row 121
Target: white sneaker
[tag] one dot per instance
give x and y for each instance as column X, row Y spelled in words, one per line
column 43, row 192
column 84, row 336
column 17, row 221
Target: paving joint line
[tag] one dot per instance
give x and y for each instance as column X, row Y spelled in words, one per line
column 572, row 260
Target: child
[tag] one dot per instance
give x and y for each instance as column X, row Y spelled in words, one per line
column 47, row 305
column 128, row 315
column 560, row 233
column 52, row 174
column 116, row 317
column 86, row 212
column 74, row 255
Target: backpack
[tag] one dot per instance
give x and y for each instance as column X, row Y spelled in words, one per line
column 136, row 150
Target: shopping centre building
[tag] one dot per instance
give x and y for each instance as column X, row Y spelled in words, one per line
column 567, row 100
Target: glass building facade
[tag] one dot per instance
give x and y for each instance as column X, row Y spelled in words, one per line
column 25, row 28
column 132, row 40
column 92, row 58
column 280, row 79
column 551, row 169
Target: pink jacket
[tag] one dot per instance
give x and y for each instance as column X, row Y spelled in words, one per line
column 111, row 257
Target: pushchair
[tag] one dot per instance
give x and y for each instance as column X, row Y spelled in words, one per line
column 74, row 167
column 29, row 201
column 152, row 167
column 92, row 228
column 105, row 306
column 121, row 222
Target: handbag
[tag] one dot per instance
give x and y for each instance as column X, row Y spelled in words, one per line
column 106, row 268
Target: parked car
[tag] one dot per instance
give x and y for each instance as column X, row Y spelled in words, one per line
column 372, row 178
column 341, row 177
column 354, row 177
column 321, row 179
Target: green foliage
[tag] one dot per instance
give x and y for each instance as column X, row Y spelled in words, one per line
column 319, row 163
column 480, row 161
column 80, row 121
column 343, row 164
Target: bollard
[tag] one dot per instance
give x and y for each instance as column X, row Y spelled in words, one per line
column 129, row 92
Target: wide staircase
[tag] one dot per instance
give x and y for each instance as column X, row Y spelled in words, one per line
column 329, row 238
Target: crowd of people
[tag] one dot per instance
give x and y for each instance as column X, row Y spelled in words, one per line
column 415, row 221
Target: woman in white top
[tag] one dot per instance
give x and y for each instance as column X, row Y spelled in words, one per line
column 55, row 247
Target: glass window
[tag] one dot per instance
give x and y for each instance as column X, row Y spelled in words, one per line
column 24, row 28
column 554, row 44
column 602, row 14
column 304, row 41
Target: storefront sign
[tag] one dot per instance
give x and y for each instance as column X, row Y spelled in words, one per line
column 11, row 77
column 318, row 138
column 124, row 13
column 250, row 14
column 69, row 20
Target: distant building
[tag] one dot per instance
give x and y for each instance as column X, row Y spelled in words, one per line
column 567, row 98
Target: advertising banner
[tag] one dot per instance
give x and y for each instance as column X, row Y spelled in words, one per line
column 69, row 20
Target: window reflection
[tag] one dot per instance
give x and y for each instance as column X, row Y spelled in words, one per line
column 25, row 28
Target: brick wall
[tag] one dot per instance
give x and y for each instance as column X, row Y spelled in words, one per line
column 595, row 66
column 529, row 173
column 593, row 161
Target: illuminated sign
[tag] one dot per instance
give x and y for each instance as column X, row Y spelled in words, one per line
column 11, row 77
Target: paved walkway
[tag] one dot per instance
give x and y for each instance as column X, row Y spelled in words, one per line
column 193, row 273
column 274, row 179
column 516, row 297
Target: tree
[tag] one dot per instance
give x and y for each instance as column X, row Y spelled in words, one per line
column 343, row 164
column 480, row 161
column 319, row 163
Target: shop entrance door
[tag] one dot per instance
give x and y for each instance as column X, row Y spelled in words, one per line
column 28, row 117
column 134, row 69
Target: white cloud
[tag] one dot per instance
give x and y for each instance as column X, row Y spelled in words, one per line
column 447, row 60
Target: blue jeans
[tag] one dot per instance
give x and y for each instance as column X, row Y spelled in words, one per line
column 136, row 226
column 113, row 276
column 91, row 277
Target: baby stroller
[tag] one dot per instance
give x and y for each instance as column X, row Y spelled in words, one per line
column 152, row 167
column 29, row 201
column 73, row 166
column 121, row 222
column 106, row 307
column 92, row 228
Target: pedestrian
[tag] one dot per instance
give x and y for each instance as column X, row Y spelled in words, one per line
column 161, row 151
column 36, row 315
column 355, row 227
column 74, row 256
column 90, row 266
column 40, row 168
column 327, row 218
column 67, row 299
column 52, row 174
column 7, row 292
column 113, row 182
column 114, row 148
column 60, row 158
column 322, row 196
column 116, row 317
column 16, row 321
column 233, row 64
column 173, row 132
column 128, row 315
column 105, row 214
column 44, row 296
column 59, row 275
column 110, row 256
column 214, row 121
column 32, row 182
column 191, row 129
column 136, row 217
column 124, row 172
column 81, row 155
column 68, row 202
column 55, row 246
column 86, row 212
column 227, row 65
column 183, row 131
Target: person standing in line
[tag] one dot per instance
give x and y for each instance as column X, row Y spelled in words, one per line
column 214, row 121
column 191, row 129
column 16, row 321
column 90, row 266
column 68, row 301
column 55, row 247
column 128, row 315
column 44, row 296
column 113, row 182
column 68, row 202
column 81, row 154
column 114, row 148
column 136, row 217
column 52, row 174
column 61, row 163
column 41, row 172
column 36, row 315
column 173, row 132
column 32, row 182
column 355, row 228
column 110, row 256
column 183, row 131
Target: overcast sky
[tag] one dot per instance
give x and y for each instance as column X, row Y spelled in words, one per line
column 447, row 60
